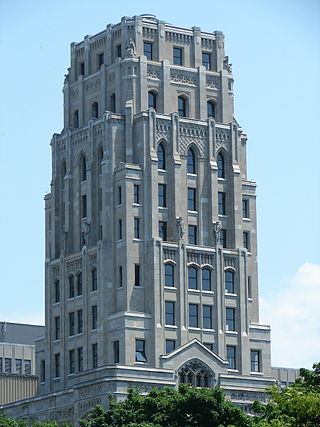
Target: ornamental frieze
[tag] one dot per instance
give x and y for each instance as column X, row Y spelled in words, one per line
column 153, row 72
column 93, row 84
column 183, row 77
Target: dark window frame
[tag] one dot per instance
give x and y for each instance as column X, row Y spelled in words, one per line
column 192, row 234
column 169, row 275
column 193, row 315
column 140, row 351
column 177, row 55
column 229, row 281
column 231, row 357
column 163, row 230
column 148, row 50
column 170, row 313
column 206, row 282
column 207, row 320
column 206, row 60
column 192, row 277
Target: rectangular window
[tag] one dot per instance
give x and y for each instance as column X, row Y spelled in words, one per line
column 141, row 351
column 192, row 278
column 221, row 203
column 84, row 206
column 192, row 206
column 119, row 195
column 94, row 279
column 206, row 279
column 116, row 352
column 57, row 328
column 1, row 364
column 231, row 356
column 249, row 287
column 94, row 316
column 168, row 275
column 100, row 59
column 177, row 56
column 163, row 230
column 57, row 291
column 230, row 319
column 192, row 234
column 170, row 346
column 136, row 195
column 18, row 366
column 245, row 208
column 209, row 345
column 80, row 321
column 100, row 232
column 207, row 317
column 136, row 228
column 71, row 323
column 246, row 240
column 169, row 313
column 223, row 238
column 72, row 366
column 100, row 200
column 120, row 229
column 27, row 367
column 255, row 361
column 136, row 275
column 95, row 355
column 79, row 284
column 147, row 50
column 193, row 316
column 80, row 359
column 71, row 287
column 162, row 195
column 120, row 277
column 7, row 365
column 42, row 371
column 119, row 51
column 57, row 365
column 82, row 68
column 206, row 60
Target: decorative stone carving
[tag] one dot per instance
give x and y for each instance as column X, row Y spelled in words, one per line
column 130, row 49
column 178, row 38
column 180, row 227
column 163, row 129
column 183, row 77
column 94, row 84
column 217, row 231
column 196, row 373
column 153, row 72
column 63, row 240
column 85, row 227
column 212, row 82
column 191, row 135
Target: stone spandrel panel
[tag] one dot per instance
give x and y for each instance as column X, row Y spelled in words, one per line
column 184, row 77
column 163, row 130
column 195, row 135
column 154, row 72
column 201, row 258
column 223, row 139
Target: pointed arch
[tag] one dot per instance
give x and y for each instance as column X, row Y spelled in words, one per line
column 191, row 161
column 99, row 159
column 161, row 153
column 211, row 109
column 83, row 167
column 221, row 163
column 196, row 373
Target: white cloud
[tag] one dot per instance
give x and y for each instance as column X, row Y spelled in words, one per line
column 294, row 316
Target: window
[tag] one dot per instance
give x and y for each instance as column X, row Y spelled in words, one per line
column 79, row 284
column 120, row 277
column 246, row 240
column 177, row 55
column 170, row 346
column 230, row 319
column 255, row 361
column 72, row 366
column 169, row 313
column 152, row 100
column 231, row 356
column 192, row 205
column 140, row 351
column 136, row 275
column 113, row 103
column 191, row 161
column 80, row 321
column 161, row 157
column 206, row 279
column 95, row 355
column 80, row 359
column 94, row 316
column 18, row 366
column 169, row 275
column 119, row 51
column 7, row 365
column 116, row 352
column 57, row 291
column 42, row 371
column 82, row 68
column 211, row 109
column 192, row 278
column 206, row 60
column 245, row 208
column 83, row 168
column 100, row 59
column 120, row 229
column 76, row 119
column 84, row 206
column 27, row 367
column 57, row 365
column 192, row 234
column 94, row 279
column 209, row 345
column 223, row 238
column 221, row 166
column 147, row 50
column 71, row 286
column 136, row 228
column 94, row 110
column 136, row 194
column 57, row 328
column 229, row 282
column 163, row 230
column 182, row 106
column 207, row 317
column 193, row 316
column 71, row 323
column 119, row 201
column 162, row 195
column 221, row 203
column 249, row 287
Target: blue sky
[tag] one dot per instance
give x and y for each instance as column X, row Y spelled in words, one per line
column 274, row 48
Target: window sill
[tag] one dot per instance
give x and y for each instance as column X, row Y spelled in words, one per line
column 208, row 329
column 136, row 239
column 207, row 292
column 229, row 294
column 137, row 204
column 197, row 291
column 56, row 379
column 138, row 286
column 171, row 326
column 194, row 328
column 223, row 216
column 170, row 288
column 233, row 371
column 259, row 374
column 246, row 219
column 232, row 332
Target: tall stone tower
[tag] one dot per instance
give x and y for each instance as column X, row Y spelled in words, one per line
column 151, row 248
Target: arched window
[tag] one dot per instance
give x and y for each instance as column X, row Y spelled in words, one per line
column 152, row 100
column 182, row 106
column 100, row 158
column 169, row 275
column 191, row 161
column 161, row 157
column 63, row 174
column 83, row 168
column 196, row 373
column 192, row 278
column 229, row 281
column 211, row 109
column 113, row 103
column 76, row 119
column 95, row 110
column 221, row 166
column 206, row 279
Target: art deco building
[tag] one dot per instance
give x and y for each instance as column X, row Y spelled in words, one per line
column 151, row 245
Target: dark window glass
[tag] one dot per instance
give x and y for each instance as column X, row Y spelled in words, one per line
column 255, row 361
column 230, row 319
column 192, row 278
column 84, row 206
column 191, row 161
column 137, row 228
column 18, row 366
column 221, row 203
column 57, row 291
column 79, row 284
column 81, row 68
column 136, row 275
column 221, row 166
column 100, row 159
column 192, row 205
column 76, row 119
column 120, row 276
column 147, row 50
column 163, row 230
column 72, row 366
column 249, row 287
column 161, row 157
column 95, row 355
column 162, row 195
column 169, row 275
column 120, row 229
column 94, row 279
column 80, row 359
column 116, row 352
column 71, row 323
column 182, row 106
column 246, row 240
column 211, row 110
column 206, row 60
column 192, row 234
column 100, row 59
column 100, row 200
column 207, row 316
column 136, row 194
column 42, row 371
column 119, row 195
column 57, row 365
column 119, row 51
column 95, row 110
column 83, row 167
column 57, row 328
column 152, row 100
column 245, row 208
column 170, row 346
column 209, row 345
column 231, row 356
column 206, row 279
column 140, row 351
column 169, row 312
column 27, row 367
column 229, row 282
column 71, row 287
column 7, row 365
column 193, row 316
column 113, row 103
column 223, row 238
column 177, row 55
column 94, row 316
column 80, row 321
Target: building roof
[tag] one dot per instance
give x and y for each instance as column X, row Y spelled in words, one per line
column 19, row 333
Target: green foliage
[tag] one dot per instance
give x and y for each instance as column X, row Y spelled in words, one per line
column 11, row 422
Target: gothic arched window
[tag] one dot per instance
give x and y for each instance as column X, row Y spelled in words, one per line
column 221, row 166
column 196, row 373
column 169, row 275
column 152, row 100
column 192, row 278
column 206, row 279
column 191, row 161
column 161, row 157
column 95, row 110
column 211, row 109
column 182, row 106
column 229, row 281
column 83, row 168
